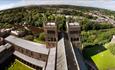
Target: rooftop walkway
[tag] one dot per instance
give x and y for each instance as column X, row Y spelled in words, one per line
column 61, row 56
column 68, row 57
column 51, row 59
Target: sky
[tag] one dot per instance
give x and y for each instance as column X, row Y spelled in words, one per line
column 107, row 4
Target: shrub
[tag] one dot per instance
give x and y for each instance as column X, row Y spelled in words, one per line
column 97, row 36
column 29, row 37
column 42, row 36
column 111, row 47
column 90, row 25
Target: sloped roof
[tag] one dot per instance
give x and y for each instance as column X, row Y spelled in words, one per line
column 61, row 56
column 29, row 59
column 2, row 48
column 35, row 47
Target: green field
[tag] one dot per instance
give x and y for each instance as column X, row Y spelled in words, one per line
column 17, row 65
column 102, row 56
column 104, row 60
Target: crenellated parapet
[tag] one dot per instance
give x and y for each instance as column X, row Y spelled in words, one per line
column 73, row 30
column 51, row 34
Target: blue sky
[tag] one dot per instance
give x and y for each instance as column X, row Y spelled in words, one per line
column 108, row 4
column 5, row 2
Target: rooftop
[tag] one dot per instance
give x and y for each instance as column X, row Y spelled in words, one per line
column 35, row 47
column 29, row 59
column 74, row 24
column 51, row 59
column 51, row 24
column 61, row 56
column 2, row 48
column 6, row 46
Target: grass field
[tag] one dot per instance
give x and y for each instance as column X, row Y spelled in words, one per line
column 102, row 57
column 104, row 60
column 17, row 65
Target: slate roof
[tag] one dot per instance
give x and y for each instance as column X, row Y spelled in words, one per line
column 30, row 60
column 35, row 47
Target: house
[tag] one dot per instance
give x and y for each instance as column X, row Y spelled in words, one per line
column 4, row 32
column 18, row 33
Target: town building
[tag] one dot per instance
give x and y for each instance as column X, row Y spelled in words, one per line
column 4, row 32
column 18, row 33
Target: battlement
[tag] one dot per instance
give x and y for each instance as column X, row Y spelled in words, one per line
column 51, row 34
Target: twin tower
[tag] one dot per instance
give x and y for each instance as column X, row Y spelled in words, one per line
column 51, row 34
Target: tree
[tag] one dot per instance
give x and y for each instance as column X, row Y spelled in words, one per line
column 42, row 36
column 111, row 47
column 29, row 37
column 51, row 18
column 61, row 21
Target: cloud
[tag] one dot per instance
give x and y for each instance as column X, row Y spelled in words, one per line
column 6, row 6
column 91, row 3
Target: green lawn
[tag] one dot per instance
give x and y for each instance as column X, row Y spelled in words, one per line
column 17, row 65
column 104, row 60
column 101, row 56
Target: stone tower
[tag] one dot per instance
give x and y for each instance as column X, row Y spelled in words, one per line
column 73, row 30
column 51, row 34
